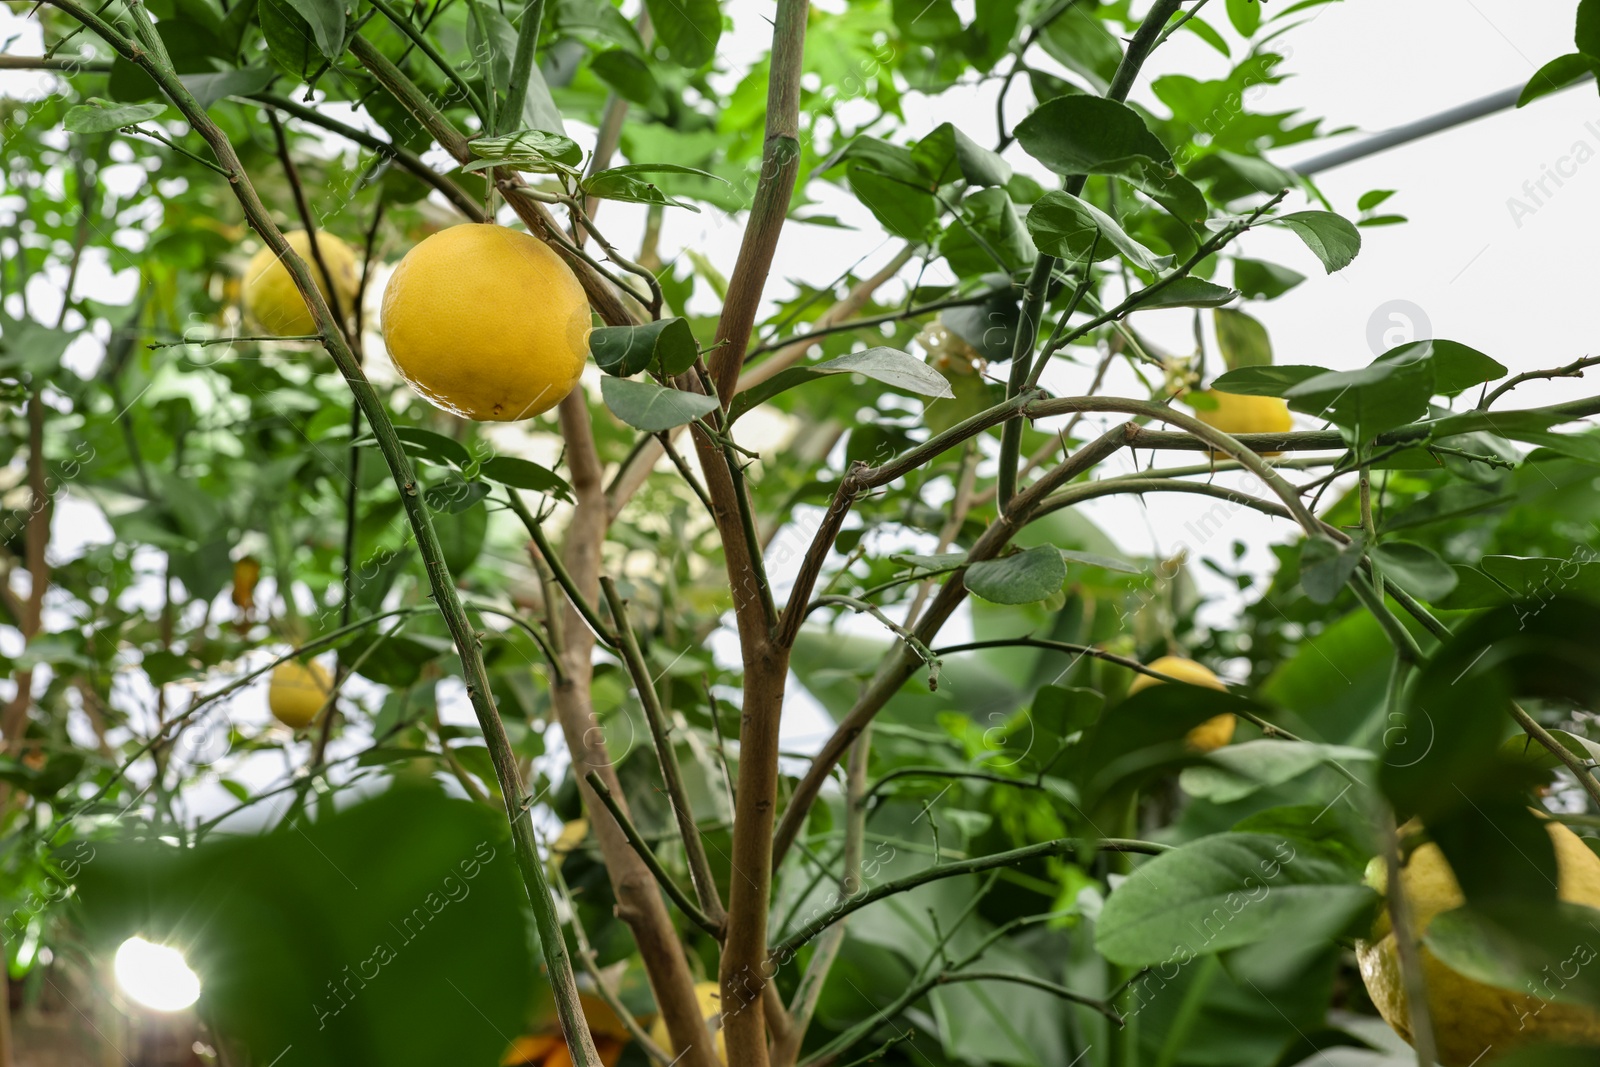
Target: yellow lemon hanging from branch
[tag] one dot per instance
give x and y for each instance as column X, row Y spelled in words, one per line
column 271, row 299
column 487, row 323
column 1215, row 731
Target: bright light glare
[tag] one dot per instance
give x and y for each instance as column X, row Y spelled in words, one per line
column 155, row 975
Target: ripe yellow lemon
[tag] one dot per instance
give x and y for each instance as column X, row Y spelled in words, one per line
column 1236, row 414
column 709, row 996
column 269, row 293
column 297, row 692
column 487, row 323
column 1469, row 1017
column 1214, row 732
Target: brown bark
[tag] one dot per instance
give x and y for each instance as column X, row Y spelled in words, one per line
column 639, row 900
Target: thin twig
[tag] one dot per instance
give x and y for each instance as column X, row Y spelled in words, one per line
column 705, row 884
column 668, row 885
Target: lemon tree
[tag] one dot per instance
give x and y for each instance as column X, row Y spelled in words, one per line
column 587, row 533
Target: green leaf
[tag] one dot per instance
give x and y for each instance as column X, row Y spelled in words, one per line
column 1243, row 340
column 1088, row 135
column 892, row 367
column 661, row 168
column 616, row 184
column 525, row 474
column 1497, row 580
column 1524, row 749
column 1021, row 578
column 535, row 151
column 1332, row 238
column 1081, row 42
column 288, row 37
column 947, row 154
column 666, row 344
column 630, row 76
column 690, row 29
column 1223, row 892
column 1326, row 567
column 461, row 536
column 454, row 495
column 210, row 88
column 1095, row 559
column 326, row 19
column 101, row 116
column 1521, row 948
column 988, row 227
column 1586, row 35
column 429, row 445
column 1456, row 368
column 280, row 928
column 1190, row 292
column 1369, row 200
column 1237, row 771
column 1266, row 381
column 26, row 345
column 650, row 407
column 1456, row 710
column 1065, row 226
column 1245, row 16
column 1260, row 280
column 1416, row 569
column 1379, row 397
column 1559, row 73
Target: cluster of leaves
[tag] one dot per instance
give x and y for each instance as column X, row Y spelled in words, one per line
column 201, row 456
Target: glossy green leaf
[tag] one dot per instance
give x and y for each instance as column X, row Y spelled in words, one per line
column 1223, row 892
column 1415, row 568
column 1234, row 772
column 666, row 344
column 1021, row 578
column 690, row 29
column 525, row 474
column 653, row 408
column 1190, row 292
column 1066, row 227
column 1266, row 380
column 1088, row 135
column 1331, row 238
column 326, row 19
column 1326, row 567
column 99, row 116
column 1260, row 280
column 1242, row 339
column 1558, row 74
column 1369, row 401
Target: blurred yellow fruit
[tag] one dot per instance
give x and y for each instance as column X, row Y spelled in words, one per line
column 1214, row 732
column 549, row 1049
column 271, row 298
column 487, row 323
column 1470, row 1018
column 246, row 572
column 709, row 996
column 297, row 692
column 1236, row 414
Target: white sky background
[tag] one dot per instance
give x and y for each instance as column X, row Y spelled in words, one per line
column 1523, row 293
